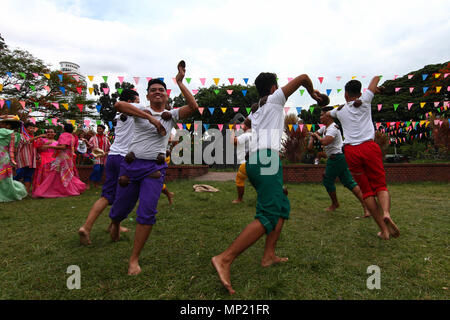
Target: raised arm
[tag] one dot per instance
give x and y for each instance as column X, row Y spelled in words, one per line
column 373, row 86
column 301, row 80
column 187, row 110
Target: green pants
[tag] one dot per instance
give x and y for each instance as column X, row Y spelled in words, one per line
column 337, row 167
column 271, row 203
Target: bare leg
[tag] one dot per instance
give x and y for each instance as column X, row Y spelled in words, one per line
column 140, row 237
column 385, row 203
column 168, row 194
column 269, row 257
column 28, row 187
column 94, row 213
column 372, row 205
column 334, row 202
column 240, row 192
column 222, row 262
column 358, row 194
column 114, row 231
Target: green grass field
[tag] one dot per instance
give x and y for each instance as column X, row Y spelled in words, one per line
column 329, row 253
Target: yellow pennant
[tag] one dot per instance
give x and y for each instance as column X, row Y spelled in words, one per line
column 428, row 122
column 230, row 126
column 224, row 110
column 1, row 87
column 290, row 127
column 422, row 123
column 437, row 75
column 91, row 78
column 188, row 126
column 91, row 90
column 65, row 105
column 438, row 89
column 422, row 104
column 216, row 81
column 309, row 126
column 72, row 122
column 354, row 77
column 47, row 76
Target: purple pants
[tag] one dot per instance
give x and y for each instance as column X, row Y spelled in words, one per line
column 142, row 187
column 112, row 170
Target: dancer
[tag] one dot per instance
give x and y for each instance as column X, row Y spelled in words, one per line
column 99, row 141
column 46, row 156
column 265, row 173
column 26, row 155
column 363, row 155
column 336, row 164
column 61, row 180
column 142, row 172
column 10, row 190
column 242, row 143
column 124, row 130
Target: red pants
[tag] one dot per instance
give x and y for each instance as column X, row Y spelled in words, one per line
column 365, row 162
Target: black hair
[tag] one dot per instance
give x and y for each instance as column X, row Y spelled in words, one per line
column 325, row 109
column 156, row 81
column 264, row 82
column 353, row 87
column 128, row 94
column 68, row 127
column 248, row 123
column 29, row 124
column 101, row 126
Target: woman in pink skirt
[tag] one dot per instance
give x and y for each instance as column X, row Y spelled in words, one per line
column 46, row 156
column 62, row 181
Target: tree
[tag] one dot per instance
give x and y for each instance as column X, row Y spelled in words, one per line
column 30, row 82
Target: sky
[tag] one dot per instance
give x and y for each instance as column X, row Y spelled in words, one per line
column 233, row 39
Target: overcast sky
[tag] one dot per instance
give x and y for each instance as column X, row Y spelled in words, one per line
column 233, row 39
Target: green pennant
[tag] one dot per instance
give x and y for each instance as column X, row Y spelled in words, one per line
column 188, row 80
column 302, row 91
column 23, row 75
column 408, row 123
column 120, row 90
column 36, row 104
column 105, row 78
column 395, row 106
column 49, row 121
column 99, row 122
column 313, row 127
column 339, row 90
column 311, row 109
column 33, row 88
column 248, row 110
column 216, row 91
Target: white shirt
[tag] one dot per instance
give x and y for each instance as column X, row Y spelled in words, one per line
column 356, row 122
column 333, row 131
column 124, row 135
column 82, row 148
column 243, row 142
column 147, row 143
column 268, row 123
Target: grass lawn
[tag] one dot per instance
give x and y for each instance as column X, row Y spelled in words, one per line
column 329, row 253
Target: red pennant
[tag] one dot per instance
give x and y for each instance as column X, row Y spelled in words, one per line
column 320, row 79
column 80, row 106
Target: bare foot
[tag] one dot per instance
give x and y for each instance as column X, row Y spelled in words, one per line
column 237, row 201
column 224, row 273
column 366, row 214
column 392, row 227
column 332, row 207
column 114, row 231
column 84, row 236
column 122, row 229
column 134, row 269
column 383, row 236
column 170, row 196
column 267, row 262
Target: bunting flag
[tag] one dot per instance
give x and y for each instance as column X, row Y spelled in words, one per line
column 91, row 78
column 445, row 75
column 79, row 90
column 411, row 89
column 437, row 75
column 188, row 126
column 65, row 105
column 302, row 91
column 397, row 89
column 91, row 90
column 136, row 80
column 216, row 81
column 105, row 78
column 47, row 76
column 188, row 80
column 35, row 75
column 80, row 106
column 339, row 90
column 238, row 126
column 424, row 76
column 216, row 91
column 290, row 79
column 320, row 80
column 354, row 77
column 98, row 107
column 436, row 104
column 211, row 110
column 422, row 104
column 168, row 92
column 395, row 106
column 1, row 87
column 248, row 110
column 223, row 110
column 309, row 127
column 244, row 92
column 295, row 126
column 33, row 119
column 338, row 78
column 54, row 120
column 231, row 80
column 194, row 91
column 56, row 105
column 2, row 102
column 63, row 90
column 328, row 92
column 410, row 76
column 119, row 90
column 23, row 75
column 110, row 124
column 17, row 86
column 301, row 127
column 425, row 89
column 379, row 107
column 60, row 76
column 438, row 89
column 36, row 104
column 311, row 109
column 245, row 80
column 87, row 122
column 206, row 126
column 8, row 104
column 202, row 80
column 229, row 92
column 286, row 110
column 236, row 109
column 299, row 110
column 409, row 105
column 220, row 126
column 120, row 79
column 149, row 78
column 200, row 110
column 106, row 90
column 22, row 103
column 76, row 77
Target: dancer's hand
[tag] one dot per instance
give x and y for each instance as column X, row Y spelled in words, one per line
column 181, row 71
column 160, row 128
column 316, row 95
